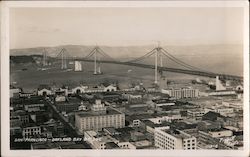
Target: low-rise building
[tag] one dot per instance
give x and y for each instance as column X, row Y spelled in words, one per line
column 15, row 121
column 44, row 90
column 167, row 118
column 126, row 145
column 79, row 89
column 71, row 104
column 82, row 107
column 181, row 93
column 137, row 136
column 16, row 130
column 222, row 110
column 163, row 102
column 209, row 125
column 60, row 98
column 40, row 116
column 98, row 141
column 212, row 116
column 64, row 90
column 109, row 88
column 237, row 105
column 234, row 121
column 222, row 93
column 196, row 113
column 67, row 106
column 134, row 98
column 225, row 111
column 31, row 131
column 57, row 145
column 111, row 131
column 14, row 92
column 135, row 120
column 56, row 128
column 142, row 144
column 150, row 127
column 221, row 133
column 206, row 141
column 21, row 115
column 34, row 107
column 26, row 95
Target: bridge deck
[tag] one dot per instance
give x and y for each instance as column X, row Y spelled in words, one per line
column 176, row 70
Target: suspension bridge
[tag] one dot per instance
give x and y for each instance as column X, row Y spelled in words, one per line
column 98, row 56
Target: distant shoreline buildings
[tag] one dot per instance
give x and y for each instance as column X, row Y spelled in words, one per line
column 181, row 93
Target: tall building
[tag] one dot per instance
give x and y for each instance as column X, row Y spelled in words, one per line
column 99, row 117
column 174, row 139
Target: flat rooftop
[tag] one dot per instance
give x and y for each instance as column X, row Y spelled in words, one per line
column 139, row 116
column 109, row 111
column 179, row 88
column 177, row 133
column 151, row 124
column 112, row 145
column 196, row 110
column 69, row 101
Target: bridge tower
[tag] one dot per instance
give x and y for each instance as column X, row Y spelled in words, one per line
column 158, row 56
column 63, row 59
column 45, row 57
column 99, row 68
column 156, row 66
column 160, row 79
column 97, row 64
column 161, row 61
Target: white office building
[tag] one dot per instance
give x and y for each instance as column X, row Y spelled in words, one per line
column 174, row 139
column 99, row 117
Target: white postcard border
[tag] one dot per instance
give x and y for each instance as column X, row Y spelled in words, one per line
column 5, row 144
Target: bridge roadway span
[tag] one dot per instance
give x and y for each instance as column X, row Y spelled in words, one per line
column 175, row 70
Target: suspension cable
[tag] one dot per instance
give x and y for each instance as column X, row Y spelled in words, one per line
column 150, row 53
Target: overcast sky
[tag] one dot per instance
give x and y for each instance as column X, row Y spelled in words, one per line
column 125, row 26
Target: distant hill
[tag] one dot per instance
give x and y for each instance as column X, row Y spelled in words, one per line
column 80, row 50
column 217, row 58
